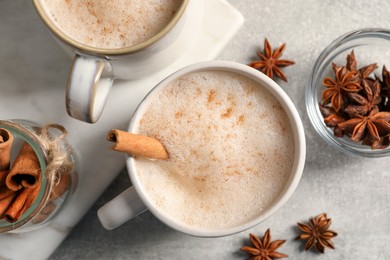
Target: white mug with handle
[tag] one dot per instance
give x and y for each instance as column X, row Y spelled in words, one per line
column 95, row 69
column 138, row 198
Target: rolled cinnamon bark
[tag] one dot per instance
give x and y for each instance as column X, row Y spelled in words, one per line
column 6, row 140
column 21, row 203
column 137, row 145
column 5, row 192
column 3, row 176
column 25, row 170
column 6, row 202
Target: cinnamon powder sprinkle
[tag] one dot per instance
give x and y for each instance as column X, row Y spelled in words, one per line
column 241, row 119
column 178, row 114
column 228, row 113
column 211, row 96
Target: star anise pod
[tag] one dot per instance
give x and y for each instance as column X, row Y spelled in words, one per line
column 270, row 63
column 336, row 89
column 385, row 88
column 264, row 249
column 364, row 72
column 370, row 128
column 382, row 143
column 332, row 119
column 351, row 62
column 317, row 233
column 385, row 83
column 363, row 104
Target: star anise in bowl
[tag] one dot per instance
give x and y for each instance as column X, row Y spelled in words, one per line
column 352, row 103
column 348, row 93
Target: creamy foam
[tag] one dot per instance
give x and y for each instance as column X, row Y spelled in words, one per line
column 230, row 144
column 111, row 24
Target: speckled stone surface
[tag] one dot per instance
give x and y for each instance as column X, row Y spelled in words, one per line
column 353, row 191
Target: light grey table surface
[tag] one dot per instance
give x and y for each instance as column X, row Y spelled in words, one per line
column 353, row 191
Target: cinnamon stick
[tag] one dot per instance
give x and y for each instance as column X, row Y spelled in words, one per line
column 22, row 202
column 3, row 176
column 6, row 140
column 25, row 170
column 6, row 202
column 15, row 210
column 5, row 192
column 137, row 145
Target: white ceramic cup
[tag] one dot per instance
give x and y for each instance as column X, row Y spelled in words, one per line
column 94, row 69
column 135, row 200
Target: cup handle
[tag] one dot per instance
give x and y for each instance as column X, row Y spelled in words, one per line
column 122, row 208
column 87, row 90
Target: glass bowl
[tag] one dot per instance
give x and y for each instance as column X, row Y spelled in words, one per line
column 371, row 45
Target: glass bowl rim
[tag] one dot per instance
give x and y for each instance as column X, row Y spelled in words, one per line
column 312, row 107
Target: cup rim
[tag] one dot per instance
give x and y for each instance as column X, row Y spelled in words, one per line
column 103, row 51
column 299, row 144
column 312, row 89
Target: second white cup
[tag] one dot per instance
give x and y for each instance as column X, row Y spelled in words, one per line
column 95, row 68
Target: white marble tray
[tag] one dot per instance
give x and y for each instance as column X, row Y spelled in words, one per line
column 98, row 166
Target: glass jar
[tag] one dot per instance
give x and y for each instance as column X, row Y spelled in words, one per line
column 371, row 45
column 57, row 175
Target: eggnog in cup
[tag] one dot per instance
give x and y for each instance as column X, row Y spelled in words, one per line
column 236, row 150
column 111, row 24
column 231, row 149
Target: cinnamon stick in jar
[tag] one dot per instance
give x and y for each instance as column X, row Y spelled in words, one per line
column 6, row 140
column 137, row 145
column 5, row 192
column 21, row 203
column 25, row 171
column 6, row 202
column 3, row 176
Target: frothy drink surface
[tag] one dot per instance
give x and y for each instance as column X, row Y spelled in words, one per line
column 230, row 144
column 113, row 23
